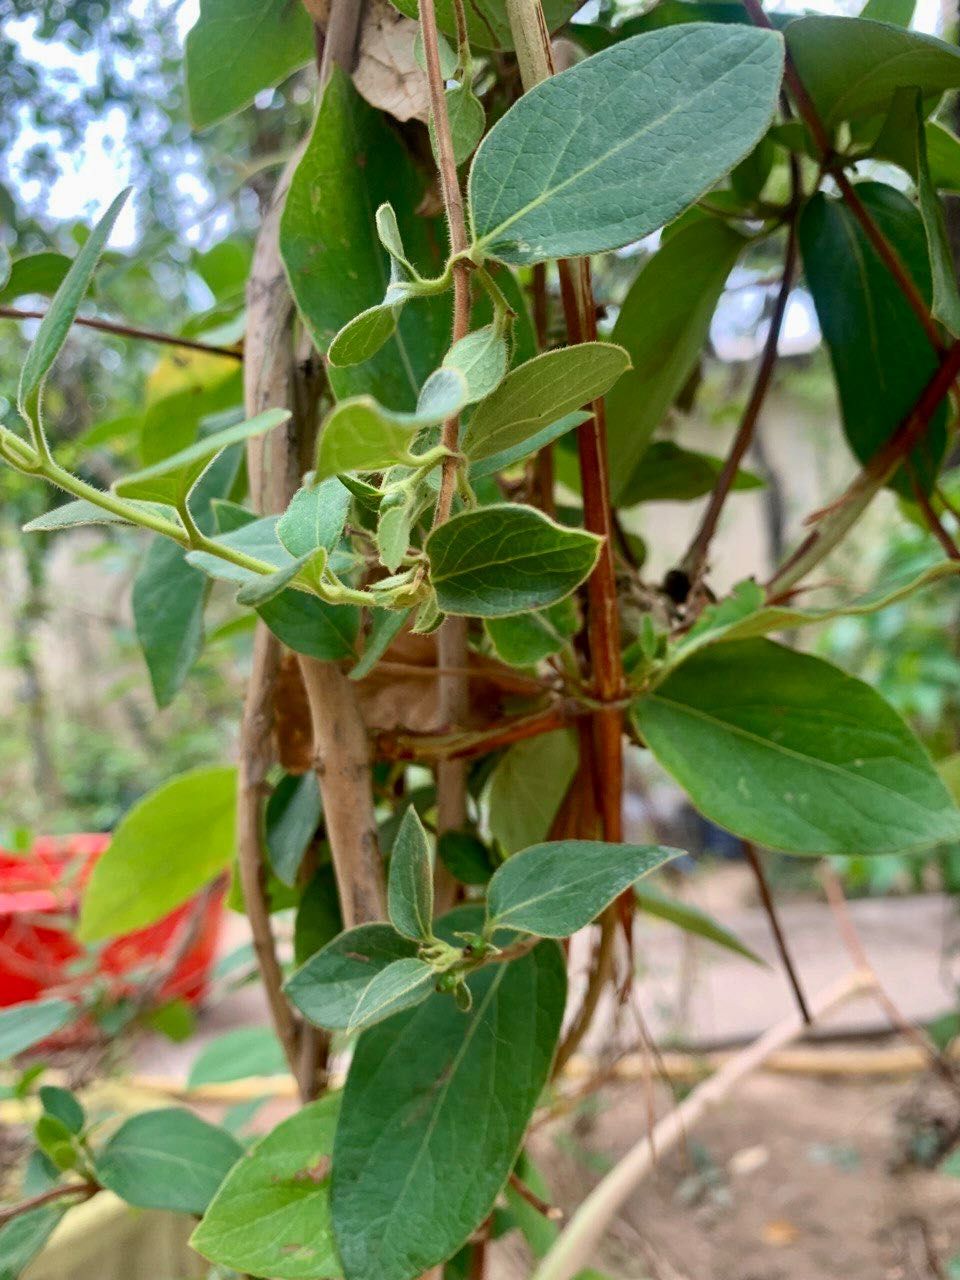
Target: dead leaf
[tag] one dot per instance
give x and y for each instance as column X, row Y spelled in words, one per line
column 387, row 74
column 292, row 729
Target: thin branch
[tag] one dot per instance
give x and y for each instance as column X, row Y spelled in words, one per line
column 83, row 1190
column 887, row 253
column 857, row 952
column 427, row 748
column 933, row 521
column 694, row 562
column 129, row 331
column 575, row 1247
column 549, row 1211
column 601, row 972
column 766, row 898
column 833, row 523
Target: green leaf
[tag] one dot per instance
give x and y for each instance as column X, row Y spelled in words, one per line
column 482, row 357
column 361, row 435
column 406, row 1194
column 238, row 1055
column 528, row 638
column 537, row 393
column 26, row 1024
column 857, row 299
column 554, row 889
column 60, row 315
column 667, row 473
column 467, row 122
column 362, row 337
column 619, row 144
column 41, row 273
column 527, row 787
column 238, row 47
column 263, row 588
column 71, row 515
column 509, row 457
column 328, row 987
column 812, row 762
column 169, row 595
column 23, row 1238
column 488, row 24
column 314, row 518
column 504, row 559
column 169, row 845
column 897, row 12
column 311, row 626
column 63, row 1105
column 691, row 920
column 394, row 524
column 410, row 887
column 385, row 626
column 852, row 67
column 353, row 164
column 171, row 479
column 168, row 601
column 744, row 616
column 465, row 856
column 167, row 1159
column 318, row 918
column 663, row 325
column 271, row 1217
column 401, row 985
column 946, row 295
column 292, row 817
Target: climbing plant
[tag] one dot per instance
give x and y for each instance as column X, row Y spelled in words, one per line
column 423, row 513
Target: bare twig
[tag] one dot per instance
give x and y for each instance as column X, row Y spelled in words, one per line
column 549, row 1211
column 130, row 331
column 575, row 1246
column 766, row 898
column 933, row 521
column 694, row 561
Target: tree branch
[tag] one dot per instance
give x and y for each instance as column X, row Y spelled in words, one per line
column 84, row 1190
column 129, row 331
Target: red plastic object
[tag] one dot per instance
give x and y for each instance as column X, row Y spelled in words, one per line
column 39, row 900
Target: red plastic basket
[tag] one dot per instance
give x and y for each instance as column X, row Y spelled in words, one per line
column 39, row 900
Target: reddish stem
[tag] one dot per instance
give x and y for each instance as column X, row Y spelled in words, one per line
column 129, row 331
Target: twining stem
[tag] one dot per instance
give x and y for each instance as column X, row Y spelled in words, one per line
column 130, row 331
column 694, row 562
column 833, row 524
column 532, row 41
column 453, row 692
column 887, row 253
column 776, row 928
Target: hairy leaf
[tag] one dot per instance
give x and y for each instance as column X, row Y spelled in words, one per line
column 483, row 358
column 618, row 145
column 328, row 987
column 410, row 888
column 315, row 518
column 554, row 889
column 272, row 1214
column 72, row 515
column 401, row 985
column 167, row 1159
column 527, row 787
column 812, row 761
column 501, row 560
column 406, row 1194
column 537, row 393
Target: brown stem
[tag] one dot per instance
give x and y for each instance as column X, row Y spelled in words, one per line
column 834, row 523
column 766, row 898
column 888, row 255
column 425, row 748
column 454, row 700
column 83, row 1190
column 933, row 521
column 694, row 562
column 601, row 972
column 129, row 331
column 549, row 1211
